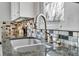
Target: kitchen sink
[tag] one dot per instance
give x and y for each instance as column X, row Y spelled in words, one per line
column 27, row 47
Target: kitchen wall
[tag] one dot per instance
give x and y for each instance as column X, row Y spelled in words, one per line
column 5, row 11
column 71, row 13
column 22, row 9
column 5, row 14
column 36, row 8
column 26, row 9
column 15, row 10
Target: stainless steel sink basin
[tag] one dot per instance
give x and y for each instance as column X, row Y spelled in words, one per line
column 28, row 47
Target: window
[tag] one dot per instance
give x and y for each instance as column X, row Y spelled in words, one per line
column 54, row 11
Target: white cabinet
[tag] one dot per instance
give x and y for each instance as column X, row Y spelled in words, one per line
column 22, row 9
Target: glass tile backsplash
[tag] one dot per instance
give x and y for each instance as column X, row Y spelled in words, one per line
column 70, row 33
column 69, row 41
column 73, row 39
column 63, row 33
column 63, row 37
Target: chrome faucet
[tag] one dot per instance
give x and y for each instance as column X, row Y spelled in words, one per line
column 44, row 18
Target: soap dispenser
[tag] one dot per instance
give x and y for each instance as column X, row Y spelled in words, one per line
column 48, row 35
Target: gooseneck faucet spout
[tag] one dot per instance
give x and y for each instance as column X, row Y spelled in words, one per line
column 44, row 19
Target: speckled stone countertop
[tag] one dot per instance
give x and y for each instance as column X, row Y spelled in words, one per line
column 7, row 47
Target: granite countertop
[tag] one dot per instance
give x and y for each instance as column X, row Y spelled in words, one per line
column 7, row 47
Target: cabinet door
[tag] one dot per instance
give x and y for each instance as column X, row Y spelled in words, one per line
column 15, row 10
